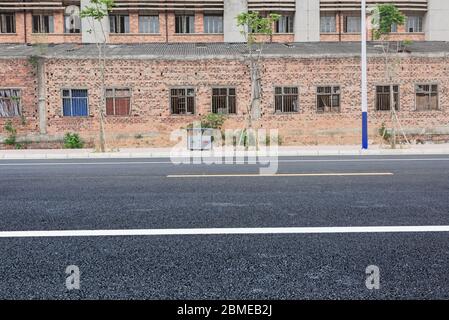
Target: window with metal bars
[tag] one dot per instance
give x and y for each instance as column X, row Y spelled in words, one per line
column 352, row 24
column 149, row 24
column 43, row 23
column 328, row 23
column 9, row 102
column 72, row 24
column 285, row 24
column 414, row 24
column 74, row 103
column 328, row 99
column 223, row 100
column 184, row 23
column 182, row 100
column 7, row 23
column 213, row 23
column 286, row 99
column 426, row 97
column 118, row 102
column 383, row 97
column 119, row 23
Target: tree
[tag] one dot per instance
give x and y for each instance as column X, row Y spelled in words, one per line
column 385, row 16
column 96, row 12
column 255, row 28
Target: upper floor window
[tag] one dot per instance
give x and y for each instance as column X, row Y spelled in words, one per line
column 119, row 23
column 286, row 99
column 43, row 23
column 426, row 97
column 383, row 97
column 394, row 27
column 414, row 23
column 9, row 102
column 72, row 24
column 223, row 100
column 328, row 24
column 328, row 99
column 285, row 24
column 7, row 23
column 182, row 101
column 118, row 102
column 352, row 24
column 74, row 103
column 149, row 24
column 213, row 24
column 185, row 24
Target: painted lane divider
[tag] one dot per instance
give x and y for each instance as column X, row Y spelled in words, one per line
column 222, row 231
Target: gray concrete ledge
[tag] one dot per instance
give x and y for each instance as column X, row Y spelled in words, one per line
column 130, row 153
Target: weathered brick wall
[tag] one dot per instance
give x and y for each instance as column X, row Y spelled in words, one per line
column 21, row 74
column 151, row 123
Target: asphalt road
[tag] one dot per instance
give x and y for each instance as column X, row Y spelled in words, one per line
column 39, row 195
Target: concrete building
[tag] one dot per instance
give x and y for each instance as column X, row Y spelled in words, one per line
column 140, row 21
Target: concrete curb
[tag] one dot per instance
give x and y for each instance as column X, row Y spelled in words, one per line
column 33, row 155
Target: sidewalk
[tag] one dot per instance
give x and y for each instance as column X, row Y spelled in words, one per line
column 428, row 149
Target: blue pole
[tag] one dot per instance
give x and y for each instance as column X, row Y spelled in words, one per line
column 364, row 79
column 364, row 130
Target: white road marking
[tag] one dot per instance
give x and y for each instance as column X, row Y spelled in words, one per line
column 169, row 162
column 221, row 231
column 340, row 174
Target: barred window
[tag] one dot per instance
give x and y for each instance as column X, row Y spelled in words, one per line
column 383, row 97
column 414, row 23
column 7, row 23
column 74, row 103
column 285, row 24
column 43, row 23
column 328, row 23
column 426, row 97
column 328, row 99
column 213, row 24
column 286, row 99
column 72, row 24
column 223, row 100
column 352, row 24
column 118, row 102
column 118, row 23
column 185, row 24
column 9, row 102
column 149, row 24
column 394, row 27
column 182, row 101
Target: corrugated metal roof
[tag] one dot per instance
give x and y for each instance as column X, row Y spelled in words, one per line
column 182, row 51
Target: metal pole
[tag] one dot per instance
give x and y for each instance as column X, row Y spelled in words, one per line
column 364, row 80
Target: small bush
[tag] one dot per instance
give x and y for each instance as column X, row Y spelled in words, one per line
column 383, row 132
column 73, row 141
column 11, row 139
column 213, row 121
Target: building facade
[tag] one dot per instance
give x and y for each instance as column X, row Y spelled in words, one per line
column 173, row 21
column 310, row 93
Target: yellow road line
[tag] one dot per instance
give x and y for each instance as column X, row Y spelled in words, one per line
column 341, row 174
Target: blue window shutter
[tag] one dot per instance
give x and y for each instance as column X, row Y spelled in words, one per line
column 66, row 107
column 76, row 106
column 79, row 106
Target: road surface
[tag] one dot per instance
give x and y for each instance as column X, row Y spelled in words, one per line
column 258, row 255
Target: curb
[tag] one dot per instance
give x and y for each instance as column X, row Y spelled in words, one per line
column 162, row 154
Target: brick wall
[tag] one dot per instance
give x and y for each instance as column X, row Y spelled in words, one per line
column 21, row 74
column 151, row 80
